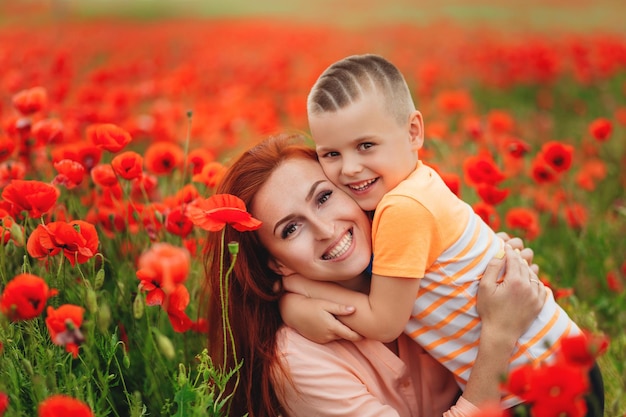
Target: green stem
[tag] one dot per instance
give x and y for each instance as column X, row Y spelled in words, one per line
column 186, row 150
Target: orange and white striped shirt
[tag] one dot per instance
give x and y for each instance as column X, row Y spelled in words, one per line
column 422, row 230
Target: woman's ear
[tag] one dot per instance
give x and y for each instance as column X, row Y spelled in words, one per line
column 279, row 267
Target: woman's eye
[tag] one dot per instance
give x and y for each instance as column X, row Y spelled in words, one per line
column 288, row 230
column 331, row 154
column 323, row 197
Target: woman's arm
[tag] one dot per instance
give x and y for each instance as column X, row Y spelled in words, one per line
column 506, row 310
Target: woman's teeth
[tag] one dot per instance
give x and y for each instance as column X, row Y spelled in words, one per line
column 342, row 247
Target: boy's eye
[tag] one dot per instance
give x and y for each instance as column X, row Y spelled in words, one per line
column 365, row 145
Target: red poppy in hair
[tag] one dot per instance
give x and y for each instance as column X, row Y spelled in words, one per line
column 108, row 136
column 25, row 297
column 64, row 327
column 63, row 405
column 215, row 212
column 128, row 165
column 31, row 100
column 34, row 197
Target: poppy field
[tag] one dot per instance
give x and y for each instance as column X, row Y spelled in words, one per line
column 115, row 132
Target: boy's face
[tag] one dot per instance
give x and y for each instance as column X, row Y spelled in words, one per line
column 364, row 150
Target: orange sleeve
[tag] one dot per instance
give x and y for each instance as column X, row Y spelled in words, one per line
column 405, row 238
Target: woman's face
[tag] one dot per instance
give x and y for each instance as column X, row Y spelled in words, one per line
column 310, row 227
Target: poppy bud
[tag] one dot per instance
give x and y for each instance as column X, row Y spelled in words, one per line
column 233, row 248
column 99, row 280
column 103, row 317
column 138, row 306
column 165, row 345
column 91, row 301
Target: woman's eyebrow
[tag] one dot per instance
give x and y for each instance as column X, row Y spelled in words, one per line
column 307, row 198
column 312, row 190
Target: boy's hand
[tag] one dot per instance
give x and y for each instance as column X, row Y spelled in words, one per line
column 315, row 319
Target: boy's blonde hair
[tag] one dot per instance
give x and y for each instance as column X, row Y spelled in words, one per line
column 348, row 80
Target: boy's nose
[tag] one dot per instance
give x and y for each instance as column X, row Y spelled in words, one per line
column 351, row 167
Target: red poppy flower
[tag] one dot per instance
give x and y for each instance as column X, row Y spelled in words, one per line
column 63, row 405
column 524, row 219
column 160, row 269
column 4, row 400
column 481, row 169
column 175, row 305
column 614, row 283
column 601, row 129
column 11, row 170
column 78, row 239
column 34, row 197
column 488, row 213
column 48, row 131
column 453, row 182
column 583, row 349
column 516, row 148
column 558, row 155
column 454, row 101
column 198, row 158
column 576, row 215
column 7, row 147
column 500, row 122
column 541, row 172
column 557, row 390
column 64, row 327
column 108, row 136
column 83, row 152
column 472, row 126
column 31, row 100
column 7, row 224
column 39, row 244
column 163, row 157
column 185, row 195
column 177, row 223
column 491, row 195
column 128, row 165
column 215, row 212
column 25, row 297
column 70, row 173
column 104, row 176
column 210, row 175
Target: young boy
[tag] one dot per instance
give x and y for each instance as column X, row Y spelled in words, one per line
column 430, row 248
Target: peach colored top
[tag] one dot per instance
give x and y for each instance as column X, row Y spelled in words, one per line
column 364, row 379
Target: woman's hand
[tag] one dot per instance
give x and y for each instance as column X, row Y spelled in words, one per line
column 315, row 319
column 510, row 306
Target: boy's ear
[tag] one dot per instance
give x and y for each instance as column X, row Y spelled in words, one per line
column 416, row 129
column 279, row 267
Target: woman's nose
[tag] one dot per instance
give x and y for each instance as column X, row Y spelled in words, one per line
column 323, row 229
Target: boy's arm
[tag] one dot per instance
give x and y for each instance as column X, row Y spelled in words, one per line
column 381, row 315
column 316, row 319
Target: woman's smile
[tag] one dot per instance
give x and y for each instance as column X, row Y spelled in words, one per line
column 340, row 247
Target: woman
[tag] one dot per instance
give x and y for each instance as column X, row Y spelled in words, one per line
column 312, row 228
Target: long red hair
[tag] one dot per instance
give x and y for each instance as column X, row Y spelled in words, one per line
column 253, row 302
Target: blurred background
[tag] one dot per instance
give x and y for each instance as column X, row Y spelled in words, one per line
column 545, row 15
